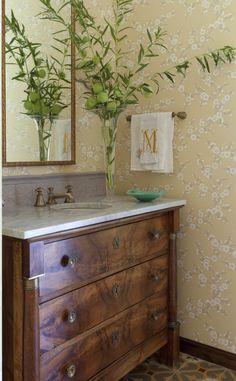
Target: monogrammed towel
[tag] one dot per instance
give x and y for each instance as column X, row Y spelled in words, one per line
column 152, row 142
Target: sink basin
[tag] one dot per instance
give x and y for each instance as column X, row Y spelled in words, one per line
column 97, row 205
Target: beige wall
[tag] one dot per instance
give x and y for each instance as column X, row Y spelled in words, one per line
column 205, row 159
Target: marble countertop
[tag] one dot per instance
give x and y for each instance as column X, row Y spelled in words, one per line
column 33, row 222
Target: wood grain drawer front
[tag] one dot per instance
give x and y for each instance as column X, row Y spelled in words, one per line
column 69, row 315
column 83, row 357
column 76, row 261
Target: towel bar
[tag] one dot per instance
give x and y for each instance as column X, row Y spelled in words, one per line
column 180, row 114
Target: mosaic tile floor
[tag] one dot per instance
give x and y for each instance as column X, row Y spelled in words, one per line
column 190, row 369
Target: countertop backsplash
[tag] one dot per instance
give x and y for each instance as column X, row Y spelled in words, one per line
column 20, row 190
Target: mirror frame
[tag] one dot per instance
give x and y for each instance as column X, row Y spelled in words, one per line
column 6, row 163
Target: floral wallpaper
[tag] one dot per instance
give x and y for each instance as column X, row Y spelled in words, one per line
column 204, row 161
column 204, row 157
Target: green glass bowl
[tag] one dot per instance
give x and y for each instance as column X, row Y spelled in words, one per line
column 145, row 196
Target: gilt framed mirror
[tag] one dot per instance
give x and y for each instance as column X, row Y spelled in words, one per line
column 38, row 87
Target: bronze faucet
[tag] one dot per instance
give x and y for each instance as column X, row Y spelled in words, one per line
column 52, row 197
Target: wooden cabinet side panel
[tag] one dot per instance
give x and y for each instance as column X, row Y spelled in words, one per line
column 169, row 354
column 12, row 310
column 31, row 367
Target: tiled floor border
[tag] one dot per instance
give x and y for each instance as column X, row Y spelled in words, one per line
column 189, row 369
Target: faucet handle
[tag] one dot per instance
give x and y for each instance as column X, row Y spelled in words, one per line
column 39, row 198
column 51, row 199
column 69, row 194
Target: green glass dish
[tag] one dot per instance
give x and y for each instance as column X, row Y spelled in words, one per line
column 145, row 196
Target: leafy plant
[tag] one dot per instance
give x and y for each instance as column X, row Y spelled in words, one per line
column 44, row 78
column 109, row 83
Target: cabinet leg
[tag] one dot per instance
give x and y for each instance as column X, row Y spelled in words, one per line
column 169, row 354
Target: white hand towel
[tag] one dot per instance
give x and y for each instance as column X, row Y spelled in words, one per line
column 152, row 142
column 62, row 139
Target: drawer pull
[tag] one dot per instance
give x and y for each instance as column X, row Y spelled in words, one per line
column 116, row 243
column 71, row 371
column 116, row 289
column 155, row 316
column 72, row 262
column 156, row 235
column 68, row 261
column 115, row 338
column 72, row 317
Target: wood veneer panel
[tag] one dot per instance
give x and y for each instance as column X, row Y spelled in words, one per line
column 78, row 260
column 130, row 360
column 99, row 347
column 99, row 301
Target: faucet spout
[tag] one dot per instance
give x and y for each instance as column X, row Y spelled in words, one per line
column 52, row 197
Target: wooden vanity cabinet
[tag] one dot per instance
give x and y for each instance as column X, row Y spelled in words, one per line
column 92, row 303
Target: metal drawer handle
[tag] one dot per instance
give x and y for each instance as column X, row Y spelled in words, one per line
column 72, row 317
column 155, row 316
column 115, row 338
column 116, row 289
column 156, row 235
column 71, row 371
column 68, row 261
column 116, row 243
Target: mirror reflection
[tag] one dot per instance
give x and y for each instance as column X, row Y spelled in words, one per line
column 39, row 88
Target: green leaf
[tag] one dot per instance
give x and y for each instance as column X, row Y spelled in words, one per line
column 169, row 76
column 141, row 53
column 149, row 35
column 201, row 63
column 141, row 67
column 122, row 38
column 207, row 64
column 113, row 33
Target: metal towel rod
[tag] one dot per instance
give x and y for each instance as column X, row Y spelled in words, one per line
column 180, row 114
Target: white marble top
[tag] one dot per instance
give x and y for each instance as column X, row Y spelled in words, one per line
column 33, row 222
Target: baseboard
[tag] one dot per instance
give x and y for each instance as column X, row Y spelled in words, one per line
column 208, row 353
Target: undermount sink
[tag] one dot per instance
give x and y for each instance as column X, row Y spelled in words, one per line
column 82, row 205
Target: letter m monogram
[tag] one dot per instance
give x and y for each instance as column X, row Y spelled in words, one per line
column 150, row 141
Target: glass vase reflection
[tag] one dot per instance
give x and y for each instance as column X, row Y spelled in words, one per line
column 44, row 126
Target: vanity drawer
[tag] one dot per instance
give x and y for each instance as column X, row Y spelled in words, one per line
column 76, row 261
column 94, row 350
column 69, row 315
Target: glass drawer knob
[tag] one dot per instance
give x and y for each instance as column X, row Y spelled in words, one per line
column 72, row 261
column 68, row 261
column 72, row 316
column 71, row 371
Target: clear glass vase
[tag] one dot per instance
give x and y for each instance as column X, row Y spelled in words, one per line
column 44, row 126
column 109, row 121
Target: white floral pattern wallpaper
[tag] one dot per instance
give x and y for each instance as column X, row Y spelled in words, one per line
column 204, row 157
column 204, row 162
